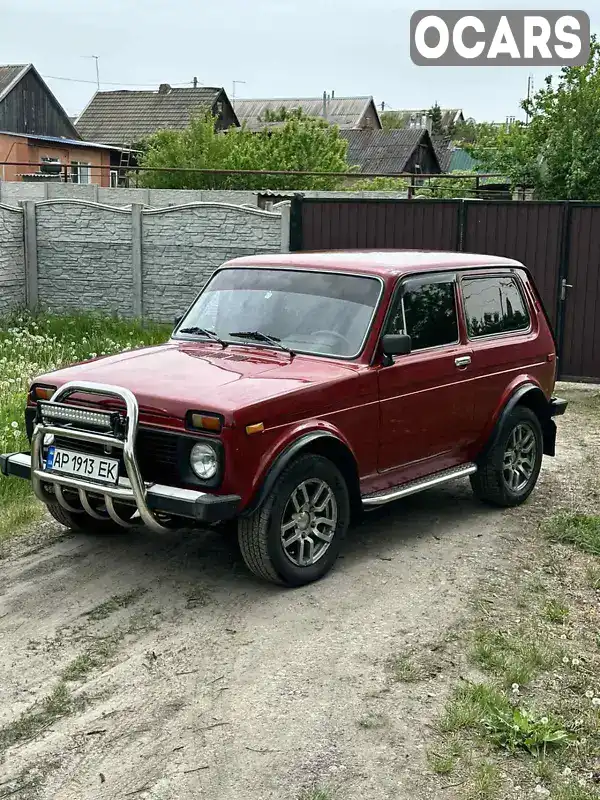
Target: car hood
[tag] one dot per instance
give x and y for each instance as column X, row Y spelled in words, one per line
column 171, row 379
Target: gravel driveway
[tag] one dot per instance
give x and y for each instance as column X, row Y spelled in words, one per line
column 187, row 678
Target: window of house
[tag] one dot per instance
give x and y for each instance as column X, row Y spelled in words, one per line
column 425, row 309
column 81, row 172
column 494, row 305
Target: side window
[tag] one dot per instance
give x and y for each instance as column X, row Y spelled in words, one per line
column 425, row 309
column 494, row 305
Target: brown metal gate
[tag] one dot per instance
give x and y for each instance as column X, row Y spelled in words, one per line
column 559, row 243
column 530, row 232
column 368, row 224
column 580, row 336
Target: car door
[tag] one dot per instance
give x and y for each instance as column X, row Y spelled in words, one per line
column 426, row 398
column 503, row 332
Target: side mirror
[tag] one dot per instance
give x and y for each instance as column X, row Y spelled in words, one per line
column 177, row 320
column 396, row 344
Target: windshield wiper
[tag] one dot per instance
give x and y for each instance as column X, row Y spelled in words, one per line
column 258, row 336
column 195, row 331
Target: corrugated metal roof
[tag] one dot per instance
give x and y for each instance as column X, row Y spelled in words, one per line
column 384, row 151
column 61, row 140
column 343, row 111
column 8, row 74
column 461, row 161
column 129, row 116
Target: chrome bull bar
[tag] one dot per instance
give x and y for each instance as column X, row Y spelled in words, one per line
column 138, row 491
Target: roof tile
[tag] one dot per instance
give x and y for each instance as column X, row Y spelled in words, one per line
column 383, row 151
column 125, row 117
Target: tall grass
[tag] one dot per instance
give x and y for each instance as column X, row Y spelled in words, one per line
column 31, row 345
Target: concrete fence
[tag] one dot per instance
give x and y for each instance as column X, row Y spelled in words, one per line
column 14, row 192
column 75, row 255
column 12, row 258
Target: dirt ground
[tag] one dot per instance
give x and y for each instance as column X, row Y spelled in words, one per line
column 215, row 685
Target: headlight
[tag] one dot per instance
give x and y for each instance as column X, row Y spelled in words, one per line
column 204, row 461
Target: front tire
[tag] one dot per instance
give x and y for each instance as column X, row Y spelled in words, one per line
column 509, row 472
column 295, row 536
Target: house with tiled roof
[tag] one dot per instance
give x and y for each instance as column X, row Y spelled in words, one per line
column 126, row 117
column 38, row 140
column 348, row 113
column 392, row 152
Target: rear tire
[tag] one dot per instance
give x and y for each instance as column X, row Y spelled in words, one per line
column 86, row 524
column 295, row 537
column 509, row 471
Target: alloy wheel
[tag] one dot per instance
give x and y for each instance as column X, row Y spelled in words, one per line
column 519, row 457
column 309, row 522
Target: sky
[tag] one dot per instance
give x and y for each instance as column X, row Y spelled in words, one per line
column 279, row 48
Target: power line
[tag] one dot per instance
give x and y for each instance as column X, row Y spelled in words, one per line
column 113, row 83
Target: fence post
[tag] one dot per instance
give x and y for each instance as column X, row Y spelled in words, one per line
column 284, row 209
column 31, row 261
column 136, row 260
column 295, row 242
column 461, row 225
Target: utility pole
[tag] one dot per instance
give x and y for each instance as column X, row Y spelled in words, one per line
column 96, row 59
column 233, row 85
column 529, row 93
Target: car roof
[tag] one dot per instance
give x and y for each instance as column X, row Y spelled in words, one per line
column 384, row 263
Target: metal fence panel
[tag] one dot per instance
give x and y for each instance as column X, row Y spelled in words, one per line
column 379, row 224
column 580, row 356
column 530, row 232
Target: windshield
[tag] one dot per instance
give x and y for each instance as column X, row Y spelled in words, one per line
column 313, row 312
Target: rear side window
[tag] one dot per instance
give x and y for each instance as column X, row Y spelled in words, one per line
column 494, row 305
column 425, row 309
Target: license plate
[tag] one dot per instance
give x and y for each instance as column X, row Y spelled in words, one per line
column 82, row 465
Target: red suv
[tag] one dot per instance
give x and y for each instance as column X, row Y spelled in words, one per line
column 299, row 390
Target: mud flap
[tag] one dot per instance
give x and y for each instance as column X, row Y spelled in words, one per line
column 549, row 432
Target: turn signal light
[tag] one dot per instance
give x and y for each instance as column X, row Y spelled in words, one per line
column 258, row 427
column 42, row 392
column 206, row 422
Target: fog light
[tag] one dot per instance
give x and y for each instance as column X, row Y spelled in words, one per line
column 48, row 439
column 204, row 461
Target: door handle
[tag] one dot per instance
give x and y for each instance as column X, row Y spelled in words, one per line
column 563, row 288
column 462, row 361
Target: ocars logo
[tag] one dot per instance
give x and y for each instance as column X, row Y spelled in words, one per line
column 499, row 38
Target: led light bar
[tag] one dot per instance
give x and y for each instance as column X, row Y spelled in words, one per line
column 55, row 412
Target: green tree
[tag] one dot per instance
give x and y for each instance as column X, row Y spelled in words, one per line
column 391, row 120
column 379, row 185
column 448, row 188
column 437, row 127
column 558, row 152
column 299, row 144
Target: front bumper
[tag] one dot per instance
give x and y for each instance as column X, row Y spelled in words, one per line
column 197, row 506
column 117, row 431
column 558, row 406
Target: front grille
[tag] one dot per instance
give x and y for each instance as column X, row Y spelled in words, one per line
column 157, row 454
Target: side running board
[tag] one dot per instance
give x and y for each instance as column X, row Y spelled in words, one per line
column 406, row 489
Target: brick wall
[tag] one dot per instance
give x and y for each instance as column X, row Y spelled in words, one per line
column 12, row 259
